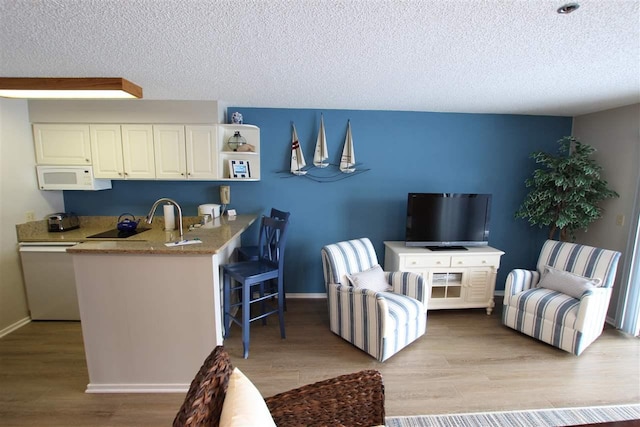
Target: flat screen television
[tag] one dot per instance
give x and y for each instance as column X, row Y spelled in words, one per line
column 441, row 221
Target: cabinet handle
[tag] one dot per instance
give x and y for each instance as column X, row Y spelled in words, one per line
column 87, row 160
column 484, row 261
column 119, row 173
column 438, row 262
column 459, row 262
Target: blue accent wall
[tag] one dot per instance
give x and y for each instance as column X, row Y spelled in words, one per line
column 404, row 152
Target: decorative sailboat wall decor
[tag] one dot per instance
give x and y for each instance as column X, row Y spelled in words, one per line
column 321, row 155
column 297, row 158
column 322, row 170
column 348, row 159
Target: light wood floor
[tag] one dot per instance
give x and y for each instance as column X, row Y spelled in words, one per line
column 467, row 362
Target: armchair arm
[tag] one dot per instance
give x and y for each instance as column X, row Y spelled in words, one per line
column 337, row 288
column 520, row 280
column 357, row 315
column 348, row 400
column 410, row 284
column 592, row 311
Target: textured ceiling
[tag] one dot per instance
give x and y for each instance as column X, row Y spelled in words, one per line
column 477, row 56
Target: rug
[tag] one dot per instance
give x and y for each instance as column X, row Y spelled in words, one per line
column 529, row 418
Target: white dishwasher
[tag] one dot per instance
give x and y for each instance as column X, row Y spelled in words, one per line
column 49, row 280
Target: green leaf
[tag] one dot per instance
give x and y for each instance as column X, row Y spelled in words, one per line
column 565, row 193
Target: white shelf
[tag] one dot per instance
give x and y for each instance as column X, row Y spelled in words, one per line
column 225, row 153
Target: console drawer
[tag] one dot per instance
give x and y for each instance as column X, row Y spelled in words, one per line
column 416, row 261
column 475, row 261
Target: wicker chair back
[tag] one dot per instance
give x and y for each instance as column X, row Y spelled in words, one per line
column 203, row 404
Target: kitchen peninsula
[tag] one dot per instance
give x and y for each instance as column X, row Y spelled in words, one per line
column 150, row 313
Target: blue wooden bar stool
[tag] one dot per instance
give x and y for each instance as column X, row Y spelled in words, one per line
column 250, row 253
column 249, row 277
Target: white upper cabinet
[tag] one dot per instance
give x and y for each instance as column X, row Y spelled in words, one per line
column 185, row 152
column 62, row 144
column 106, row 147
column 138, row 152
column 152, row 151
column 169, row 149
column 123, row 152
column 201, row 152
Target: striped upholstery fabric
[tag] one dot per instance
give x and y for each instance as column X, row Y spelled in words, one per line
column 379, row 323
column 560, row 320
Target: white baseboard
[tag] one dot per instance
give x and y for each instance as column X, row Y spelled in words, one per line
column 137, row 388
column 17, row 325
column 324, row 296
column 310, row 296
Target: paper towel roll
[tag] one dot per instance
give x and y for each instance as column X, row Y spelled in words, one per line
column 169, row 217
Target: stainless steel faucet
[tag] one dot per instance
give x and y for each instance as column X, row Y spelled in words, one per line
column 165, row 200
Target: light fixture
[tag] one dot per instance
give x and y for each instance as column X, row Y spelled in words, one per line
column 68, row 88
column 568, row 8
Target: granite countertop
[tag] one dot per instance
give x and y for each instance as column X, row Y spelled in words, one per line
column 214, row 237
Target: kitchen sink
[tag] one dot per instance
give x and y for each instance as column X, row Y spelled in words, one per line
column 117, row 234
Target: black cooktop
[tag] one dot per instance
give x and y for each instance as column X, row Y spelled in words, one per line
column 117, row 234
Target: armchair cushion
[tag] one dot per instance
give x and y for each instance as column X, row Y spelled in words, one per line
column 567, row 283
column 243, row 404
column 373, row 279
column 551, row 306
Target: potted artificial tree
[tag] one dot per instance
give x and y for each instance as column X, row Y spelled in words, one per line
column 565, row 193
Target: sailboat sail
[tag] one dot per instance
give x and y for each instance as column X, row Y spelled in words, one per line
column 348, row 159
column 297, row 158
column 321, row 154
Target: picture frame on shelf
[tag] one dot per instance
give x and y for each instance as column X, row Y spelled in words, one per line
column 239, row 169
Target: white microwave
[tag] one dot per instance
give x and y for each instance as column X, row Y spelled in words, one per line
column 69, row 178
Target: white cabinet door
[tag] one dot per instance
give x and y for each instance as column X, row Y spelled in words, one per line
column 169, row 149
column 106, row 149
column 201, row 152
column 479, row 285
column 62, row 144
column 137, row 149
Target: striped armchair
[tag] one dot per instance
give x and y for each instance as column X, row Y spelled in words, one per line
column 540, row 308
column 379, row 323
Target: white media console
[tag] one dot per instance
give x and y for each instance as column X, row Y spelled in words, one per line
column 457, row 278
